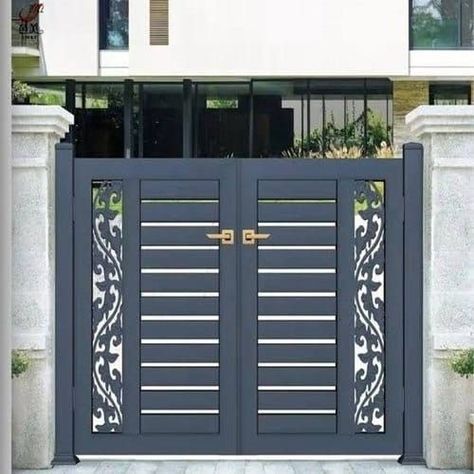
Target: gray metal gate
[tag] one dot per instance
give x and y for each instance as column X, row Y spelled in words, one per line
column 225, row 306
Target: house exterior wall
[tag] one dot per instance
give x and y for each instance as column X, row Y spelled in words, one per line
column 211, row 38
column 248, row 38
column 69, row 44
column 215, row 38
column 407, row 96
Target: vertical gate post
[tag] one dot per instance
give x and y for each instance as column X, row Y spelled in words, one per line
column 64, row 448
column 187, row 118
column 128, row 119
column 413, row 304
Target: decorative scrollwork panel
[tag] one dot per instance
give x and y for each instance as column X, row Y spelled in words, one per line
column 369, row 307
column 107, row 324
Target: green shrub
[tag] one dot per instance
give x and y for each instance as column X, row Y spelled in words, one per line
column 20, row 91
column 349, row 137
column 20, row 363
column 463, row 363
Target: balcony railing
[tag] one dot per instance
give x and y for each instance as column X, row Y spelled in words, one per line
column 24, row 35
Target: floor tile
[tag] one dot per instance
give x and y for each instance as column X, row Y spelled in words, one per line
column 278, row 467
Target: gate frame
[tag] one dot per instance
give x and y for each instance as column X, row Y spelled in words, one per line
column 412, row 306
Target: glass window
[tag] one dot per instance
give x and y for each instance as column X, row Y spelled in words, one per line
column 221, row 120
column 113, row 24
column 314, row 144
column 349, row 113
column 162, row 120
column 450, row 94
column 280, row 118
column 442, row 24
column 354, row 121
column 379, row 121
column 99, row 131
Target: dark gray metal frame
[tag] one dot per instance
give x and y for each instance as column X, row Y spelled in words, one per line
column 413, row 303
column 346, row 440
column 407, row 174
column 64, row 320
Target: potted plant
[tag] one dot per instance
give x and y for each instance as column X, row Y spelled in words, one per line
column 20, row 363
column 21, row 92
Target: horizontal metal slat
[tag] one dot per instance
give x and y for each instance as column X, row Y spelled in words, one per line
column 177, row 235
column 312, row 212
column 296, row 376
column 179, row 211
column 300, row 235
column 177, row 306
column 296, row 329
column 296, row 400
column 179, row 258
column 180, row 353
column 292, row 282
column 301, row 306
column 297, row 258
column 296, row 353
column 180, row 376
column 181, row 329
column 207, row 282
column 296, row 424
column 182, row 189
column 179, row 423
column 180, row 400
column 297, row 189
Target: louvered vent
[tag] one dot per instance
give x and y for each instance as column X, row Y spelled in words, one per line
column 159, row 18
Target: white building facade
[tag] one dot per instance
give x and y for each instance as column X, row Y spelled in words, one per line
column 360, row 64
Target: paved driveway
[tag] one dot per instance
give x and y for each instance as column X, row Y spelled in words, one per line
column 240, row 467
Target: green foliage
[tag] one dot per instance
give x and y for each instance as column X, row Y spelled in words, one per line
column 377, row 132
column 349, row 137
column 463, row 363
column 46, row 98
column 431, row 30
column 20, row 363
column 20, row 91
column 222, row 103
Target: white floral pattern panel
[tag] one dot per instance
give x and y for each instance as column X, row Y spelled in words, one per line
column 369, row 307
column 107, row 323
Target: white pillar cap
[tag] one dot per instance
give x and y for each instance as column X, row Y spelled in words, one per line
column 428, row 119
column 48, row 119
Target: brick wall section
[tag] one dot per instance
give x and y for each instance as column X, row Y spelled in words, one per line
column 407, row 95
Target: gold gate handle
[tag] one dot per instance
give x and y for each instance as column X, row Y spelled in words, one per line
column 249, row 237
column 226, row 237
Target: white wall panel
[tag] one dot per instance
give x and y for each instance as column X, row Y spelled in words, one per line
column 274, row 37
column 70, row 38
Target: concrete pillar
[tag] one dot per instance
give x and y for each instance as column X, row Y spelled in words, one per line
column 447, row 134
column 5, row 237
column 35, row 131
column 407, row 95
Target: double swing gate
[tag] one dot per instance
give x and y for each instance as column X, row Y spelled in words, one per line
column 226, row 306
